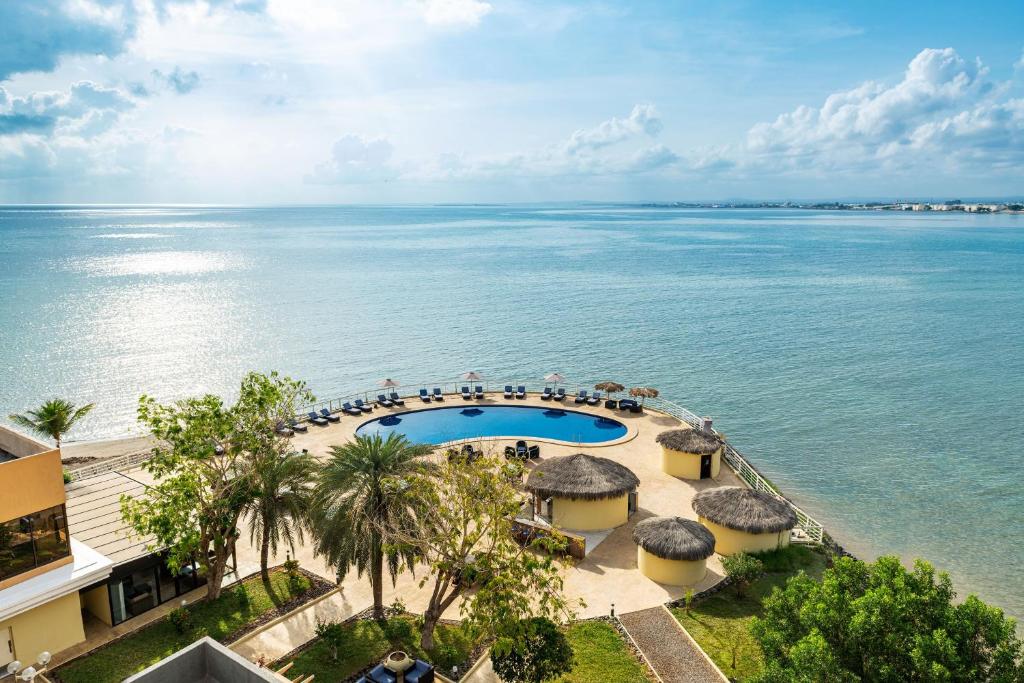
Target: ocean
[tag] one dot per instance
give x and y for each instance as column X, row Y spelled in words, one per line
column 869, row 363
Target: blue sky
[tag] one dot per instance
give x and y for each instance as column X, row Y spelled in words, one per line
column 267, row 101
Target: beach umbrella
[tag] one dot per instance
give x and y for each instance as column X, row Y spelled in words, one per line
column 554, row 377
column 472, row 376
column 387, row 383
column 609, row 387
column 643, row 392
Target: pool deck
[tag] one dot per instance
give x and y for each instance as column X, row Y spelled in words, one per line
column 609, row 573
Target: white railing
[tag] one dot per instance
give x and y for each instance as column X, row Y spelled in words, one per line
column 107, row 465
column 808, row 529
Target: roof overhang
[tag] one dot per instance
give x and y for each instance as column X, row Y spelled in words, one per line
column 87, row 568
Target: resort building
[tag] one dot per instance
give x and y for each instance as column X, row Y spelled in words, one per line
column 691, row 453
column 46, row 576
column 583, row 492
column 139, row 579
column 673, row 550
column 744, row 520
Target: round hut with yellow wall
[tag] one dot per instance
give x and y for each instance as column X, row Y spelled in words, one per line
column 583, row 492
column 691, row 453
column 744, row 520
column 673, row 550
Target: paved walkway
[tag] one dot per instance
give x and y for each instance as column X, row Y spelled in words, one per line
column 670, row 650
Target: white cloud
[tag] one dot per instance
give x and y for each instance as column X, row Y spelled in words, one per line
column 453, row 12
column 943, row 109
column 355, row 159
column 642, row 120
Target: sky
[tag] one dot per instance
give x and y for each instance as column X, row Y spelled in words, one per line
column 317, row 101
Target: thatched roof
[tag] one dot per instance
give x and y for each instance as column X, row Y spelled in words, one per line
column 690, row 441
column 610, row 387
column 645, row 392
column 581, row 477
column 674, row 538
column 745, row 510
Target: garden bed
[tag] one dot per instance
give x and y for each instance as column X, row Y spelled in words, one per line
column 720, row 623
column 366, row 642
column 603, row 653
column 241, row 608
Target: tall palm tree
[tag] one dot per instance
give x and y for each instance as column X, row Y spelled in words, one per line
column 279, row 508
column 361, row 507
column 54, row 419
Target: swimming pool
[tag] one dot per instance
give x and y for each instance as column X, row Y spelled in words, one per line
column 438, row 425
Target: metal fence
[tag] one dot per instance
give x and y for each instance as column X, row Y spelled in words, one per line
column 808, row 529
column 108, row 465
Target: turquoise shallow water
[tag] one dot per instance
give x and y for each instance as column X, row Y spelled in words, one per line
column 869, row 363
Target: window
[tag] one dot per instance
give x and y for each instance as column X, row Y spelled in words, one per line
column 33, row 541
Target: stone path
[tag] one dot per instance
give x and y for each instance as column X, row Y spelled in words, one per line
column 671, row 652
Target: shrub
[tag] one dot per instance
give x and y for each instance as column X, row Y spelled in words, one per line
column 242, row 596
column 67, row 477
column 297, row 582
column 180, row 618
column 688, row 599
column 743, row 570
column 537, row 652
column 332, row 633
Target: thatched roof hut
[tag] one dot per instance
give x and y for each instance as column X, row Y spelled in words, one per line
column 744, row 509
column 694, row 441
column 610, row 387
column 674, row 538
column 581, row 477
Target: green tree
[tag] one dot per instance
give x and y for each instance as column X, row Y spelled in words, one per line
column 361, row 505
column 743, row 569
column 53, row 419
column 881, row 622
column 204, row 470
column 538, row 652
column 279, row 508
column 466, row 540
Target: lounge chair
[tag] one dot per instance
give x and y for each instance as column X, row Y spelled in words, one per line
column 510, row 452
column 350, row 409
column 625, row 403
column 508, row 391
column 424, row 396
column 521, row 391
column 595, row 399
column 329, row 416
column 363, row 406
column 316, row 419
column 521, row 450
column 283, row 429
column 396, row 399
column 297, row 426
column 559, row 395
column 533, row 451
column 546, row 395
column 438, row 396
column 466, row 394
column 478, row 391
column 581, row 397
column 384, row 401
column 421, row 672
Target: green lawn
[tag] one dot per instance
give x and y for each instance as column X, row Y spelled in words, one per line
column 601, row 655
column 368, row 642
column 721, row 623
column 218, row 619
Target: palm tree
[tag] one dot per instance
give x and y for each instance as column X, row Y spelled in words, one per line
column 279, row 507
column 54, row 419
column 361, row 507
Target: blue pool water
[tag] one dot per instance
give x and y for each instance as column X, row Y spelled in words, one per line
column 467, row 422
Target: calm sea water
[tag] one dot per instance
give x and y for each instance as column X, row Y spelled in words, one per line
column 870, row 363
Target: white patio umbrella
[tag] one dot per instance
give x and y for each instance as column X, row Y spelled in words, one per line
column 472, row 376
column 554, row 377
column 387, row 383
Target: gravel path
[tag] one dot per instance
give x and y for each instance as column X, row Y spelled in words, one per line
column 669, row 649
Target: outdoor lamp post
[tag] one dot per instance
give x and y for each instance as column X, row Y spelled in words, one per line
column 29, row 673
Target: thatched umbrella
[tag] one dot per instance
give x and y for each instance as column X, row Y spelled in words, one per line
column 643, row 392
column 743, row 509
column 674, row 538
column 609, row 387
column 581, row 477
column 694, row 441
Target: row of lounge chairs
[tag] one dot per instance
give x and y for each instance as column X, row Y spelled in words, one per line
column 435, row 395
column 478, row 393
column 520, row 391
